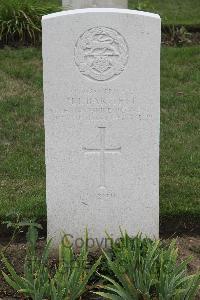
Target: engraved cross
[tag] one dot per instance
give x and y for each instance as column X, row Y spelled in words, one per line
column 102, row 151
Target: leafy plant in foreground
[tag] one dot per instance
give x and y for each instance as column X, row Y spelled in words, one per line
column 68, row 281
column 72, row 274
column 17, row 225
column 173, row 281
column 144, row 269
column 35, row 282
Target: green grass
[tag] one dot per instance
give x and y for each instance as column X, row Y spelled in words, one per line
column 178, row 12
column 180, row 131
column 22, row 172
column 22, row 168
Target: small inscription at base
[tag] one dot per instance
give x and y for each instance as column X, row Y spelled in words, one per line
column 105, row 194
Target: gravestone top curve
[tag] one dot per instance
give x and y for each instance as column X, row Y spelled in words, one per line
column 100, row 10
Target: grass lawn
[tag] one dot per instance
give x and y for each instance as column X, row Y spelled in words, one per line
column 22, row 168
column 22, row 172
column 184, row 12
column 180, row 131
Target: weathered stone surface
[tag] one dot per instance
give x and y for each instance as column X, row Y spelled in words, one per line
column 102, row 94
column 74, row 4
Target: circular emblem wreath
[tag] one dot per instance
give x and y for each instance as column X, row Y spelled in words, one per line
column 101, row 53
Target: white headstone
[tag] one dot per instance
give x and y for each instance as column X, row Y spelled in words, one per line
column 74, row 4
column 102, row 97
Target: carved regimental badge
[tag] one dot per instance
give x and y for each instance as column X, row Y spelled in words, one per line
column 101, row 53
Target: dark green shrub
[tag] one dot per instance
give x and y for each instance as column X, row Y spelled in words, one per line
column 20, row 20
column 176, row 36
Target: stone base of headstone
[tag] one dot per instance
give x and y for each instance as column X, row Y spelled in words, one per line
column 75, row 4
